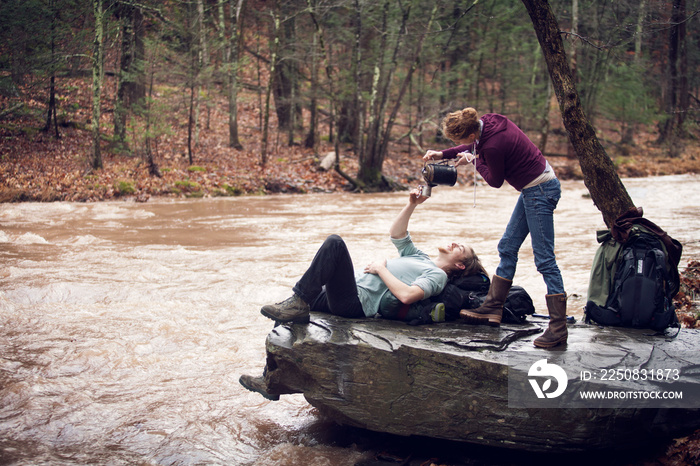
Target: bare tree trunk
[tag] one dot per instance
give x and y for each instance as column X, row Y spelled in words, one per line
column 640, row 30
column 489, row 11
column 544, row 128
column 97, row 77
column 137, row 84
column 599, row 175
column 202, row 62
column 358, row 114
column 292, row 113
column 232, row 55
column 52, row 107
column 131, row 82
column 371, row 156
column 404, row 87
column 193, row 78
column 191, row 123
column 153, row 169
column 285, row 81
column 51, row 114
column 268, row 90
column 331, row 92
column 677, row 99
column 125, row 13
column 683, row 91
column 570, row 151
column 258, row 70
column 374, row 152
column 628, row 127
column 311, row 139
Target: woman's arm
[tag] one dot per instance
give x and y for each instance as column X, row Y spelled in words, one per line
column 450, row 153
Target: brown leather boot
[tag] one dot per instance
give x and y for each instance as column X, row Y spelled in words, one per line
column 257, row 384
column 292, row 309
column 556, row 333
column 491, row 312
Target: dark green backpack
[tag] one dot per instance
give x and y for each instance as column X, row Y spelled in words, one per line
column 641, row 285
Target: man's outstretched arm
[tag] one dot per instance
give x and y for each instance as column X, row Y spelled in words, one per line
column 407, row 294
column 399, row 228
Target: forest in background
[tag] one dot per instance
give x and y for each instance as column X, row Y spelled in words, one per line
column 100, row 99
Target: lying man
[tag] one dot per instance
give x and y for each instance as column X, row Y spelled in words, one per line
column 330, row 284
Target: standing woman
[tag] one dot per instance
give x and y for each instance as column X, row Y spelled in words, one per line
column 502, row 152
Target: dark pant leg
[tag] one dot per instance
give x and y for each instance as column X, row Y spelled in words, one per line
column 329, row 282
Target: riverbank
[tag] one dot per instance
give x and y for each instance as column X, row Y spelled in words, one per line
column 38, row 167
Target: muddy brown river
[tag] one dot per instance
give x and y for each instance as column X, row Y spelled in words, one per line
column 124, row 326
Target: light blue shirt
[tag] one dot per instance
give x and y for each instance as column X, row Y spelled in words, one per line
column 412, row 267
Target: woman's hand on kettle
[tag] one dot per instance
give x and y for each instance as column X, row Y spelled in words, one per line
column 432, row 155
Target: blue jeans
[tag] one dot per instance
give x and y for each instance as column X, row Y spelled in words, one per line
column 533, row 215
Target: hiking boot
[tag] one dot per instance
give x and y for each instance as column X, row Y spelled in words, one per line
column 556, row 333
column 491, row 312
column 292, row 309
column 257, row 384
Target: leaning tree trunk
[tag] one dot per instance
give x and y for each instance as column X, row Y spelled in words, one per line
column 599, row 175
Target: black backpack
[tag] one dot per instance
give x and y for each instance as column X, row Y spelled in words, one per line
column 470, row 293
column 460, row 293
column 642, row 290
column 517, row 307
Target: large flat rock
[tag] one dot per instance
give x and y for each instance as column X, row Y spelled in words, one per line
column 472, row 383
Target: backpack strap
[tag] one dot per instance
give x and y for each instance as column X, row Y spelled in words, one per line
column 663, row 271
column 665, row 333
column 660, row 265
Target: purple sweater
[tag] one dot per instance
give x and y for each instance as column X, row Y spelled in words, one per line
column 505, row 153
